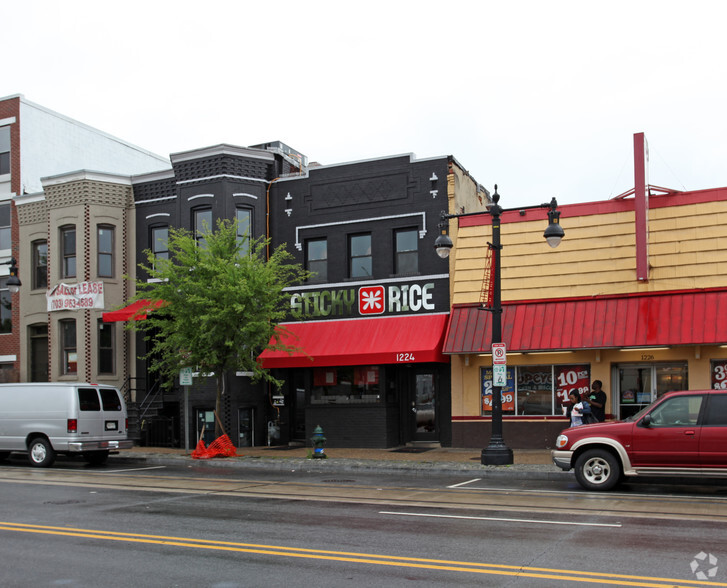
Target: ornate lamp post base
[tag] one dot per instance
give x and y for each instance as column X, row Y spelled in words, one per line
column 496, row 454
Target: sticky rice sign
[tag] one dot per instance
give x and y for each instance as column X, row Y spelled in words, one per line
column 83, row 296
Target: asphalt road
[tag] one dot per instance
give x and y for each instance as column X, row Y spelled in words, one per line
column 184, row 525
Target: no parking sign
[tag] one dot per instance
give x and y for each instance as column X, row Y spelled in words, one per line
column 499, row 354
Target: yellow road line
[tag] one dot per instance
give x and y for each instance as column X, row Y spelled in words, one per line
column 363, row 558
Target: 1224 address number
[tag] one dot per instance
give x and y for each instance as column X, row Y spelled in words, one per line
column 405, row 357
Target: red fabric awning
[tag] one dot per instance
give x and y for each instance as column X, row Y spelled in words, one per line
column 639, row 320
column 136, row 311
column 400, row 339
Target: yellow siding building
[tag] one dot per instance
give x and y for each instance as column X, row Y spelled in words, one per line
column 580, row 312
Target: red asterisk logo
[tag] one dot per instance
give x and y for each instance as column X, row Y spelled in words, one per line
column 371, row 300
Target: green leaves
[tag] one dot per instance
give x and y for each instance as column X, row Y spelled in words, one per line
column 223, row 301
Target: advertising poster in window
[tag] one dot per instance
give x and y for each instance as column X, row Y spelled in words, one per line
column 572, row 378
column 507, row 392
column 325, row 377
column 719, row 374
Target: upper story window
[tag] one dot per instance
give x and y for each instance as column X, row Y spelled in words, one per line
column 5, row 235
column 359, row 256
column 244, row 228
column 316, row 259
column 69, row 359
column 160, row 242
column 68, row 252
column 40, row 264
column 105, row 347
column 6, row 308
column 202, row 225
column 407, row 254
column 4, row 150
column 105, row 251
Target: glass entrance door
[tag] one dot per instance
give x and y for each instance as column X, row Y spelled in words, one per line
column 246, row 433
column 638, row 385
column 424, row 407
column 206, row 423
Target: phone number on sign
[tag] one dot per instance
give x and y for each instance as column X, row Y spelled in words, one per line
column 71, row 303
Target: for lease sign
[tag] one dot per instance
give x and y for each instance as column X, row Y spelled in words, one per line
column 82, row 296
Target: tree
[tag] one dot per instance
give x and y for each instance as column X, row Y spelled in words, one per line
column 219, row 304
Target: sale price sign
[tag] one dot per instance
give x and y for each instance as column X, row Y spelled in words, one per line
column 507, row 392
column 719, row 374
column 572, row 378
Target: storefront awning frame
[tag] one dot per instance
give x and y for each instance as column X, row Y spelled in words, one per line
column 695, row 317
column 364, row 341
column 137, row 311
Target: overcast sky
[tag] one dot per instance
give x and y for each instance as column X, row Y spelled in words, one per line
column 539, row 97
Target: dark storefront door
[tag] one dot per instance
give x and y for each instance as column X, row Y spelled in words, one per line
column 205, row 426
column 423, row 417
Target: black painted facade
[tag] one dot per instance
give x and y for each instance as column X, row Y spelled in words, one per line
column 379, row 198
column 222, row 180
column 338, row 203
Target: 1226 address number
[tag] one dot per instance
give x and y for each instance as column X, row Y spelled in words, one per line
column 405, row 357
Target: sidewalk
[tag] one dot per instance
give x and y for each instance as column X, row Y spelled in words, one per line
column 534, row 463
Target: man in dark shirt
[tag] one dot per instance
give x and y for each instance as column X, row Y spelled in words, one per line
column 597, row 400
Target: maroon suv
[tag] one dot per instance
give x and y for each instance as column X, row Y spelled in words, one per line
column 681, row 434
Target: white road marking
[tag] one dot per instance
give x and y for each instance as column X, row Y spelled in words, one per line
column 464, row 483
column 131, row 470
column 534, row 521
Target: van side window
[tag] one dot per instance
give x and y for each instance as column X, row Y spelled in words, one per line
column 110, row 399
column 88, row 399
column 716, row 415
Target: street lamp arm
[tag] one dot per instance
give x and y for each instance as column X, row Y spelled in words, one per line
column 552, row 205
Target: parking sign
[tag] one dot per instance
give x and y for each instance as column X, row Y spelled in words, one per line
column 499, row 354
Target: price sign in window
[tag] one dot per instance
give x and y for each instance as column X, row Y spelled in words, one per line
column 507, row 392
column 719, row 374
column 571, row 378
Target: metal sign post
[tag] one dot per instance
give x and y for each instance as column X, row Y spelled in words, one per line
column 185, row 380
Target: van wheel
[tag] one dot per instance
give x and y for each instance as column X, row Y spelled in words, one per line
column 41, row 453
column 96, row 457
column 597, row 469
column 4, row 455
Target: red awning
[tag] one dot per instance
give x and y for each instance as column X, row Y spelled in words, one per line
column 400, row 339
column 639, row 320
column 136, row 311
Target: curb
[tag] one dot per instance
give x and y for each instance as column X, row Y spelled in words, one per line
column 511, row 472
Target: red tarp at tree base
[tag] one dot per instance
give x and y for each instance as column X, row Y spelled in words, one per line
column 220, row 447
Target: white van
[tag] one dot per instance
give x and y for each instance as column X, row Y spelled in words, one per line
column 45, row 419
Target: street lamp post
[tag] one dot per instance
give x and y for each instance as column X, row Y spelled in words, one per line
column 497, row 452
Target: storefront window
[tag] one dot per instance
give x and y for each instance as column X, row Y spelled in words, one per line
column 536, row 390
column 507, row 392
column 346, row 385
column 719, row 374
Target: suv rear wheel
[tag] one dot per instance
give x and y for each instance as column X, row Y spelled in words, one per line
column 597, row 469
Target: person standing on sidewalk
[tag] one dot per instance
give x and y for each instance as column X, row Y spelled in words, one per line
column 597, row 400
column 574, row 410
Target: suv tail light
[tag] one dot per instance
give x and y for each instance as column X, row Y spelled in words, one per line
column 72, row 426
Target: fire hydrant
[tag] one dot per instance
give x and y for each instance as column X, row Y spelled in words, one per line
column 318, row 441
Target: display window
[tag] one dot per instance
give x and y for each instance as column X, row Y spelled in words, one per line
column 346, row 385
column 536, row 390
